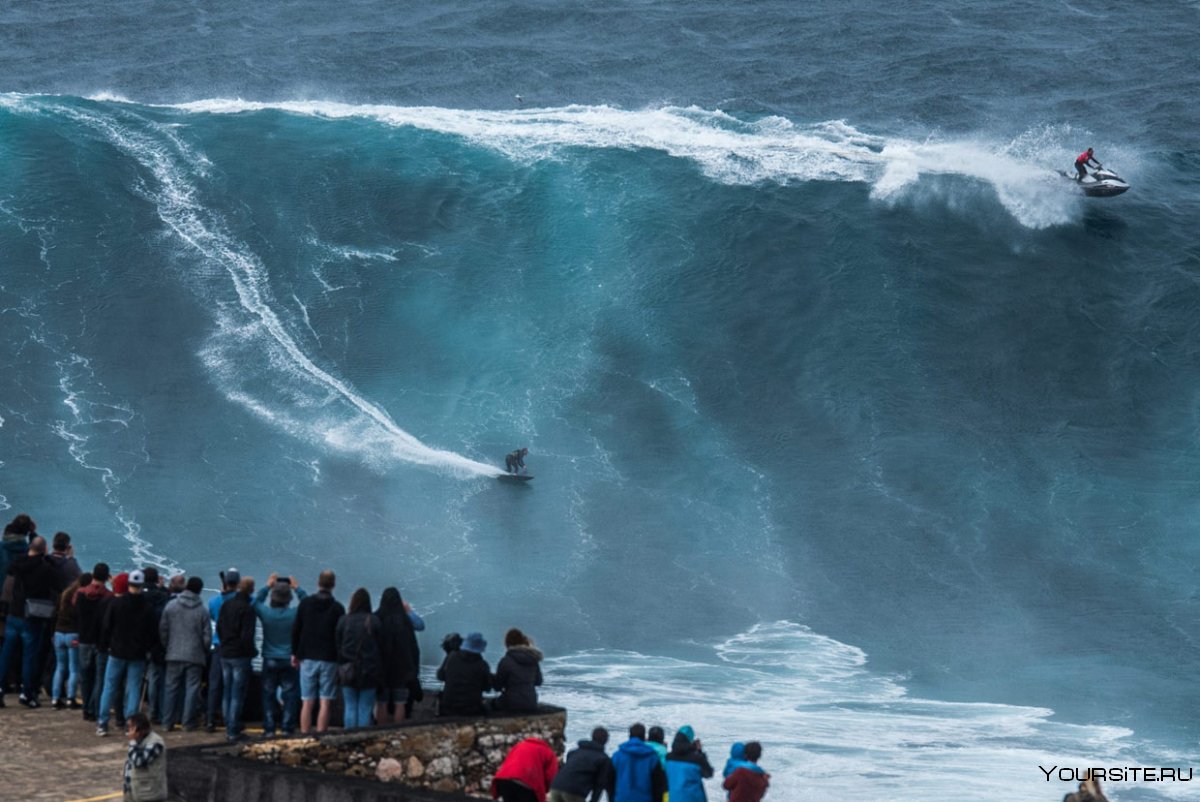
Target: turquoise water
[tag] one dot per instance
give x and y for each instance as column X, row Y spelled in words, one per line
column 855, row 428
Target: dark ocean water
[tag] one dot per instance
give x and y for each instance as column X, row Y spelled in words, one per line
column 855, row 428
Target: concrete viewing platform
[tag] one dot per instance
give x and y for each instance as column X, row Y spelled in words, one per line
column 55, row 756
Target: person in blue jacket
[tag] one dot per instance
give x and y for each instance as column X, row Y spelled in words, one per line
column 639, row 777
column 687, row 768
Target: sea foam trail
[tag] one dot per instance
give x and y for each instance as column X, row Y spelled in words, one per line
column 831, row 728
column 368, row 430
column 725, row 148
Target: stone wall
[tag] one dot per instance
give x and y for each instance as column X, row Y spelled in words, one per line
column 453, row 756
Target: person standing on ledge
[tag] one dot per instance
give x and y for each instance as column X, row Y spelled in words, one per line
column 515, row 461
column 146, row 763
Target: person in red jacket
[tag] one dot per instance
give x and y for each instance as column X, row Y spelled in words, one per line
column 748, row 783
column 1081, row 163
column 526, row 774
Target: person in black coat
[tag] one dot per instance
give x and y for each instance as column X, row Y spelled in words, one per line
column 518, row 674
column 467, row 677
column 587, row 770
column 400, row 657
column 359, row 666
column 235, row 627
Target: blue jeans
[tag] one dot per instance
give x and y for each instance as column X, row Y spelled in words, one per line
column 66, row 665
column 278, row 675
column 358, row 704
column 235, row 673
column 188, row 676
column 121, row 674
column 92, row 662
column 28, row 633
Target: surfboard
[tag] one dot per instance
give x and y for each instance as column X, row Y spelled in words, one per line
column 514, row 478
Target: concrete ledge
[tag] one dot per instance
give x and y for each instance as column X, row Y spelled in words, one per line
column 457, row 755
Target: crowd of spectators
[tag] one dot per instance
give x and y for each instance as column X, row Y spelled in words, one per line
column 111, row 645
column 143, row 649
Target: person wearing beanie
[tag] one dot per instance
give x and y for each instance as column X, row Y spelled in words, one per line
column 89, row 608
column 185, row 632
column 518, row 674
column 526, row 773
column 467, row 678
column 278, row 673
column 129, row 633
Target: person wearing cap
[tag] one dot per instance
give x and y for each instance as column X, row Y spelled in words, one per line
column 129, row 631
column 314, row 652
column 236, row 627
column 278, row 673
column 467, row 678
column 89, row 605
column 185, row 631
column 216, row 687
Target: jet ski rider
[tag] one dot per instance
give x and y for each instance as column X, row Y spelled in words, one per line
column 1081, row 162
column 516, row 460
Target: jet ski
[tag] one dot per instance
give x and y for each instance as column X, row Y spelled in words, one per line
column 1100, row 183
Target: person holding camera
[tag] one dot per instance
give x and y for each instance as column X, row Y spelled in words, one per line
column 278, row 673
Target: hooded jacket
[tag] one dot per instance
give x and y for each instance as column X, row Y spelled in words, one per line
column 89, row 608
column 235, row 626
column 587, row 770
column 687, row 768
column 185, row 629
column 158, row 599
column 517, row 677
column 314, row 631
column 639, row 777
column 532, row 763
column 467, row 678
